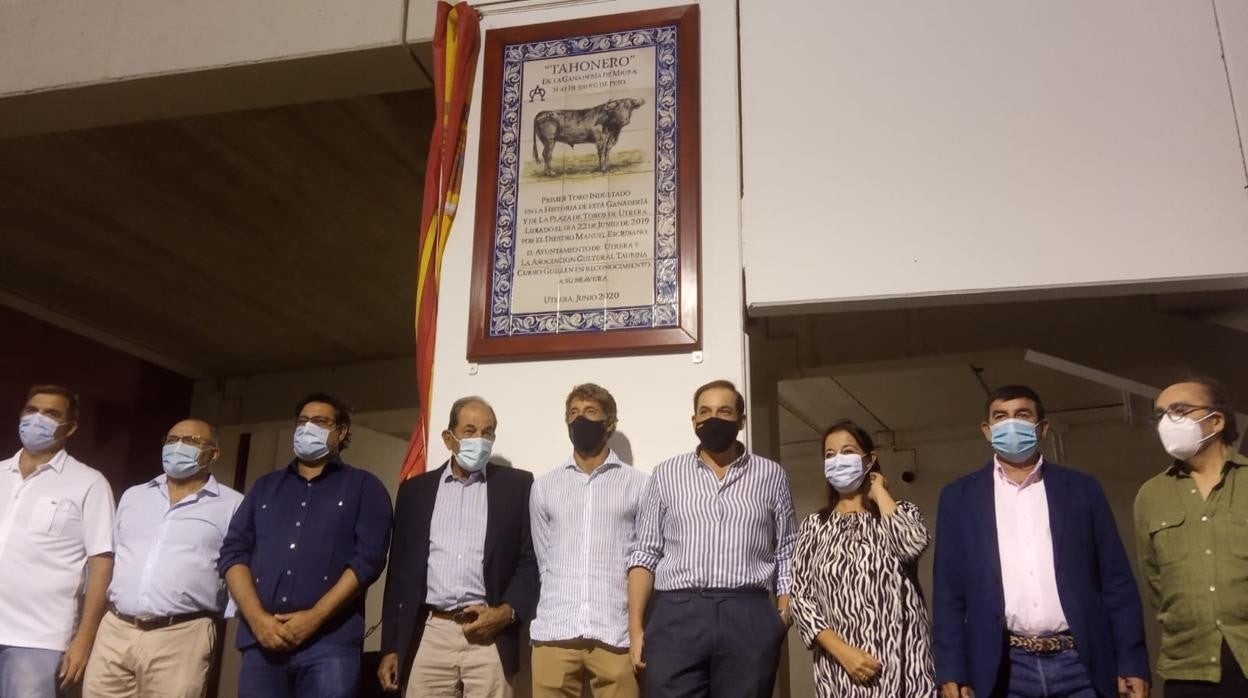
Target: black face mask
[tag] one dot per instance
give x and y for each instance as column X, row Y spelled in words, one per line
column 716, row 434
column 586, row 434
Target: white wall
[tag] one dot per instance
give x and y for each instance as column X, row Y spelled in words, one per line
column 1120, row 456
column 905, row 148
column 49, row 44
column 654, row 392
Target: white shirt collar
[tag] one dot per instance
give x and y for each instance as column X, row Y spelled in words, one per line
column 212, row 487
column 1032, row 478
column 612, row 461
column 57, row 463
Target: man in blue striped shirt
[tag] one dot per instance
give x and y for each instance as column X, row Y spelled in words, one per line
column 584, row 527
column 714, row 538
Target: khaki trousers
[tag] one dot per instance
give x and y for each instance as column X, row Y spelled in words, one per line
column 560, row 670
column 169, row 662
column 448, row 666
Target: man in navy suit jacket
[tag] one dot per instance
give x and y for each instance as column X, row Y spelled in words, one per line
column 463, row 576
column 1033, row 592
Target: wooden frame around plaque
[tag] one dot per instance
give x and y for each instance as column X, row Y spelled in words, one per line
column 588, row 205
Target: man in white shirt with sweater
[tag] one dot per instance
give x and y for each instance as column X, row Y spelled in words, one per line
column 56, row 519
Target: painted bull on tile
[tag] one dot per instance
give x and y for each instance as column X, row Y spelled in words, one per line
column 599, row 125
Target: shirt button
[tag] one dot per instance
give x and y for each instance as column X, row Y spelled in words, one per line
column 326, row 578
column 298, row 523
column 303, row 504
column 1213, row 659
column 287, row 571
column 1213, row 588
column 1208, row 551
column 283, row 599
column 1204, row 518
column 292, row 546
column 1193, row 491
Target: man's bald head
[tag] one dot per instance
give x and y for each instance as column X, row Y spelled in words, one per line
column 203, row 433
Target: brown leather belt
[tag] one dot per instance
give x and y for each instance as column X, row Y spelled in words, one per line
column 152, row 623
column 1049, row 644
column 452, row 615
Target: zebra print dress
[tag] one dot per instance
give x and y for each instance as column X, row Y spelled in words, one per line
column 856, row 574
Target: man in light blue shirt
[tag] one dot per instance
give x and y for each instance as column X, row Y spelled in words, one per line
column 159, row 633
column 584, row 526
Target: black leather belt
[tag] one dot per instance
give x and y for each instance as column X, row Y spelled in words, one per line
column 721, row 592
column 156, row 623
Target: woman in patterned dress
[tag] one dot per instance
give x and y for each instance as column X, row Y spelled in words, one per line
column 856, row 597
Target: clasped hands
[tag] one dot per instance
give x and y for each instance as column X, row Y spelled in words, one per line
column 282, row 632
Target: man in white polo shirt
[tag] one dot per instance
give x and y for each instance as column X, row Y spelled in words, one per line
column 56, row 519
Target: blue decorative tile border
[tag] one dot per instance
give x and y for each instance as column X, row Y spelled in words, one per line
column 666, row 309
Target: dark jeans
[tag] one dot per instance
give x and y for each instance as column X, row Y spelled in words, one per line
column 1233, row 684
column 724, row 644
column 317, row 671
column 1055, row 675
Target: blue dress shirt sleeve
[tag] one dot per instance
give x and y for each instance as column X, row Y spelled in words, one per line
column 372, row 531
column 786, row 536
column 240, row 540
column 648, row 549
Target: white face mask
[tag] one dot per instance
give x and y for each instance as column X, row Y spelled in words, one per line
column 474, row 453
column 845, row 472
column 311, row 442
column 1182, row 437
column 37, row 432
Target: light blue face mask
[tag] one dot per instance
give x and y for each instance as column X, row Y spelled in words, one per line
column 474, row 453
column 180, row 460
column 37, row 432
column 311, row 442
column 844, row 472
column 1014, row 440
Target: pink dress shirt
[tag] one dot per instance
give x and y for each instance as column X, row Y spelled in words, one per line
column 1025, row 544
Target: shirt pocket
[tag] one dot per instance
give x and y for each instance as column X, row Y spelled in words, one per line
column 1167, row 535
column 1238, row 540
column 51, row 515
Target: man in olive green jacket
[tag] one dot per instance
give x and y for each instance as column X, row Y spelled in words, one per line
column 1191, row 529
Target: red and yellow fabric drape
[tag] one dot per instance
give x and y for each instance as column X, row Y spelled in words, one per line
column 456, row 41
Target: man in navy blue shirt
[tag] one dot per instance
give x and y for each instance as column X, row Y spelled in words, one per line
column 306, row 543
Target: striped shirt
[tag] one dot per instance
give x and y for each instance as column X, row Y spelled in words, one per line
column 456, row 567
column 584, row 526
column 698, row 532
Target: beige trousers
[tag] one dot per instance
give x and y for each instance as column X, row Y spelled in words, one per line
column 170, row 662
column 561, row 668
column 448, row 666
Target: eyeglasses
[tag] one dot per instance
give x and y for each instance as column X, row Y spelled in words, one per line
column 322, row 422
column 189, row 440
column 1177, row 411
